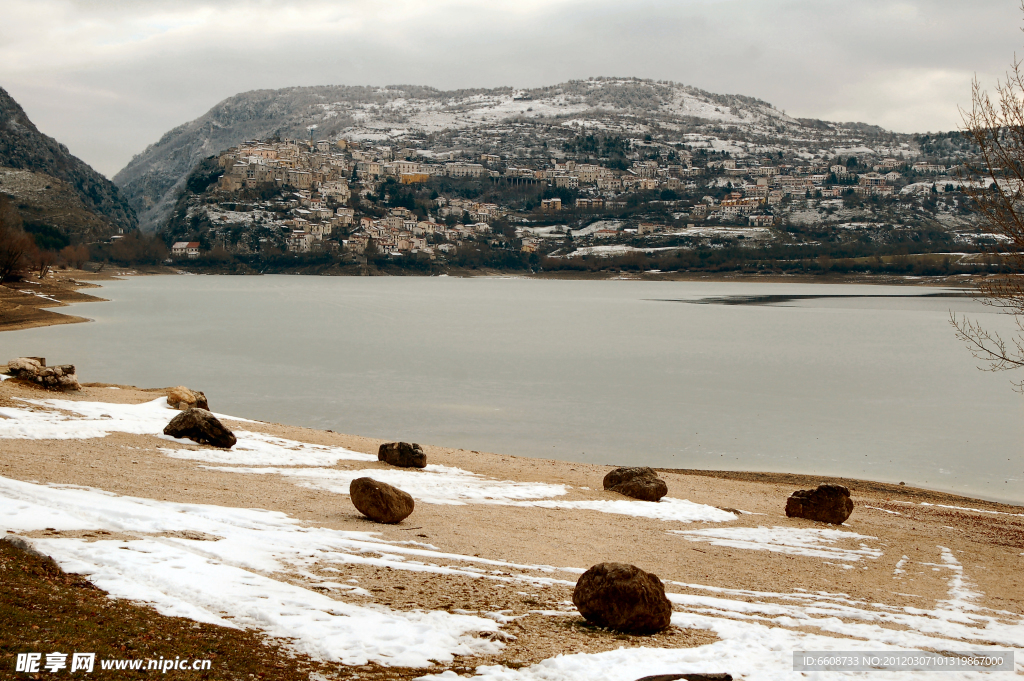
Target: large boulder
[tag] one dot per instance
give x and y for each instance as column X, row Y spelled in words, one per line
column 825, row 504
column 183, row 398
column 640, row 483
column 622, row 597
column 402, row 454
column 380, row 501
column 200, row 426
column 34, row 370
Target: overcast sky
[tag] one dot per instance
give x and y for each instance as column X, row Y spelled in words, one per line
column 109, row 77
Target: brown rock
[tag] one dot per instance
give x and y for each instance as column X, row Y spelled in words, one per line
column 688, row 677
column 34, row 370
column 380, row 501
column 200, row 426
column 825, row 504
column 622, row 597
column 402, row 454
column 183, row 398
column 639, row 483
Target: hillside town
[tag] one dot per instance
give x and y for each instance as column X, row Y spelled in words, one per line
column 595, row 195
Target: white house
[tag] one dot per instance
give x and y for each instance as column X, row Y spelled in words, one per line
column 188, row 249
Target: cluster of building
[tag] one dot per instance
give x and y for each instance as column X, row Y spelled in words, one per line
column 759, row 187
column 316, row 183
column 401, row 233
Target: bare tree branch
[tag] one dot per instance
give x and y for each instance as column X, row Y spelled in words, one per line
column 995, row 185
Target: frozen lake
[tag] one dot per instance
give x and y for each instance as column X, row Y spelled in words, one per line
column 872, row 384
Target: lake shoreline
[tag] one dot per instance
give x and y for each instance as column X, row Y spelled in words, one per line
column 508, row 397
column 470, row 550
column 775, row 479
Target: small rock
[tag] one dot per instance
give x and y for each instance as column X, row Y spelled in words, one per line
column 200, row 426
column 402, row 454
column 183, row 398
column 622, row 597
column 380, row 501
column 688, row 677
column 34, row 369
column 639, row 483
column 825, row 504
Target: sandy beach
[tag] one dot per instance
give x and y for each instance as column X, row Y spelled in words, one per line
column 502, row 540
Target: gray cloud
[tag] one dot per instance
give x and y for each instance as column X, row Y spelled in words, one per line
column 108, row 77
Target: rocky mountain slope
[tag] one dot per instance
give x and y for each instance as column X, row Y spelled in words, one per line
column 51, row 187
column 52, row 210
column 501, row 120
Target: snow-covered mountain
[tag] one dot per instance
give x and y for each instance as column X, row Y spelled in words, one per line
column 512, row 122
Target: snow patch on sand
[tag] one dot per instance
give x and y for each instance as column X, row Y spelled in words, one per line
column 236, row 575
column 875, row 508
column 973, row 510
column 433, row 485
column 250, row 575
column 668, row 509
column 266, row 450
column 73, row 420
column 961, row 596
column 746, row 650
column 795, row 541
column 454, row 486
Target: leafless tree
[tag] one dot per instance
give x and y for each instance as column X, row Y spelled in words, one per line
column 14, row 243
column 995, row 184
column 42, row 261
column 74, row 256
